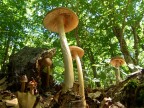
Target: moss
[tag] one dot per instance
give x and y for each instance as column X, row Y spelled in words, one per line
column 133, row 94
column 132, row 84
column 140, row 96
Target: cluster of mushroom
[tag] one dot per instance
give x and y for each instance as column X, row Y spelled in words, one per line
column 62, row 20
column 32, row 84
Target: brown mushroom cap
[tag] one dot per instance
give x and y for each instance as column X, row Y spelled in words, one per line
column 78, row 50
column 117, row 61
column 46, row 62
column 32, row 84
column 24, row 78
column 69, row 17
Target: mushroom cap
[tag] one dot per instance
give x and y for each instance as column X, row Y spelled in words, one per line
column 117, row 61
column 76, row 50
column 24, row 78
column 32, row 84
column 46, row 62
column 69, row 17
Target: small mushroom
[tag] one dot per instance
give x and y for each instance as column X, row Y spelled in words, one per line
column 62, row 20
column 26, row 100
column 47, row 62
column 32, row 85
column 106, row 103
column 77, row 53
column 23, row 81
column 117, row 62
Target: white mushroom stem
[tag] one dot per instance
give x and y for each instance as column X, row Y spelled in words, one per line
column 68, row 75
column 80, row 78
column 32, row 89
column 117, row 73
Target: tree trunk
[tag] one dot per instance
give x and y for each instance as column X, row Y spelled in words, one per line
column 80, row 45
column 5, row 56
column 123, row 46
column 92, row 61
column 136, row 45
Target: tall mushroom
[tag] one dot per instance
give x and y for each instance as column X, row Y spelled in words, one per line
column 23, row 81
column 77, row 53
column 117, row 62
column 62, row 20
column 46, row 62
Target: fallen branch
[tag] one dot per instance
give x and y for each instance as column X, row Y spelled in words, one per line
column 114, row 89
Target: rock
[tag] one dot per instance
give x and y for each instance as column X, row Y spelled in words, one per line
column 13, row 102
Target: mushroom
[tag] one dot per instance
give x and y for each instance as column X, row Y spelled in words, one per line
column 26, row 100
column 62, row 20
column 32, row 85
column 117, row 62
column 77, row 53
column 46, row 62
column 106, row 103
column 23, row 81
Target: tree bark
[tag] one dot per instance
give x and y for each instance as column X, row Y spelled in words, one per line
column 92, row 61
column 5, row 56
column 123, row 46
column 136, row 46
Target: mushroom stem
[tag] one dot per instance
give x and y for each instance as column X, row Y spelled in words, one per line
column 32, row 90
column 80, row 78
column 22, row 86
column 118, row 78
column 69, row 75
column 48, row 76
column 32, row 85
column 23, row 81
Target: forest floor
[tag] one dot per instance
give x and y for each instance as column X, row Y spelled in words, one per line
column 127, row 94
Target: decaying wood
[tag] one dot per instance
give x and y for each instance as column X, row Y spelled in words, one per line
column 111, row 92
column 26, row 62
